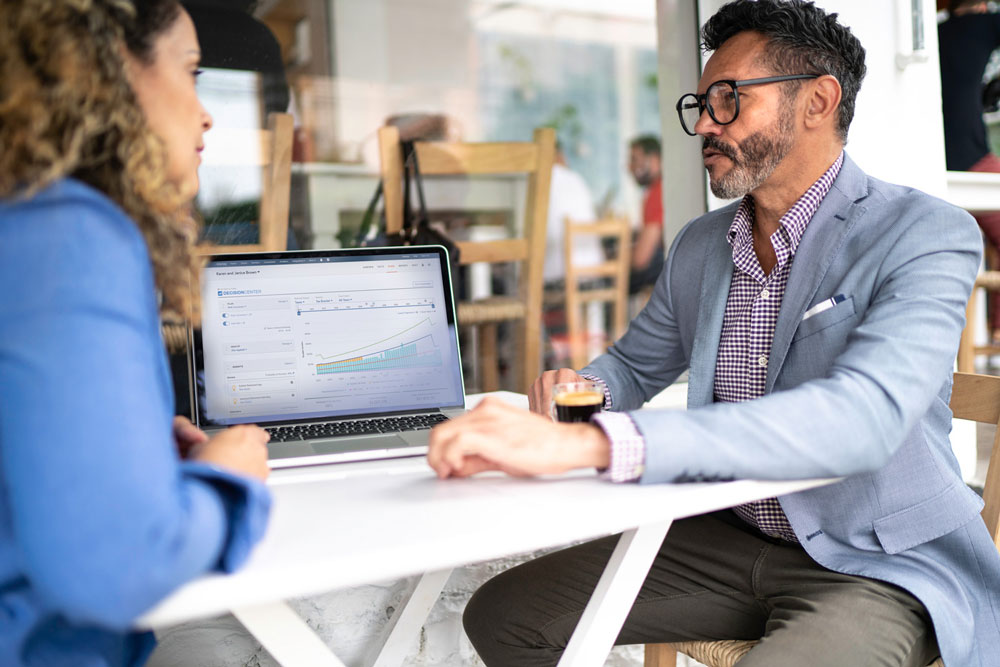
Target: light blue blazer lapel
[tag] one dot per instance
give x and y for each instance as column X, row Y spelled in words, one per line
column 716, row 276
column 820, row 245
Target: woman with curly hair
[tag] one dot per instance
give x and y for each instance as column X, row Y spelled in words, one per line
column 106, row 502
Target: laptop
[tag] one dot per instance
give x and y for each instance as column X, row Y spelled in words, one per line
column 342, row 355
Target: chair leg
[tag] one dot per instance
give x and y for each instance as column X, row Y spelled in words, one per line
column 489, row 362
column 575, row 330
column 660, row 655
column 967, row 343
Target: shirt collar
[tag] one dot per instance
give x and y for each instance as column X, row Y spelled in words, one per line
column 793, row 223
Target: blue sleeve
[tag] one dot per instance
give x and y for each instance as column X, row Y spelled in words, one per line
column 105, row 518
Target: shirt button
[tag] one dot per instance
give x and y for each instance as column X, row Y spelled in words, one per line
column 764, row 293
column 762, row 360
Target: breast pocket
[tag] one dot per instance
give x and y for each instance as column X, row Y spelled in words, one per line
column 825, row 319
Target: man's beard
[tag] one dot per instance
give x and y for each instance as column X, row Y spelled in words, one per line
column 759, row 155
column 643, row 178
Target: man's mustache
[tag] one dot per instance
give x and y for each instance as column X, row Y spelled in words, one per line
column 716, row 145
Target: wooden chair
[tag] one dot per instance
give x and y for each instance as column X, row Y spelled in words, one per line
column 973, row 397
column 533, row 158
column 270, row 149
column 614, row 272
column 967, row 348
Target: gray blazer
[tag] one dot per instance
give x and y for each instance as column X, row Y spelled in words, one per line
column 859, row 390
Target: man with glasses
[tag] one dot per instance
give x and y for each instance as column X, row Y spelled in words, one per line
column 819, row 317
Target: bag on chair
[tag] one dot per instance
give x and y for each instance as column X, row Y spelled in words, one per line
column 417, row 228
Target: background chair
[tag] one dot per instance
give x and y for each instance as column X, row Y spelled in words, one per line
column 973, row 397
column 967, row 348
column 605, row 283
column 534, row 159
column 270, row 149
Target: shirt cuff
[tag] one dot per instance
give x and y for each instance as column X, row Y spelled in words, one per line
column 248, row 504
column 604, row 388
column 628, row 447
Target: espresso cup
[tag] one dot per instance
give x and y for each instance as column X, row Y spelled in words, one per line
column 576, row 401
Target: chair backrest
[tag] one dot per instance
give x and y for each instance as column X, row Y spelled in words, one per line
column 534, row 159
column 977, row 398
column 608, row 281
column 270, row 149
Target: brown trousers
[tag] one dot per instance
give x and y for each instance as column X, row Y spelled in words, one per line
column 715, row 578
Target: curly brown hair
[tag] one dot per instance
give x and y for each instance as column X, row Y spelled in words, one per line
column 67, row 110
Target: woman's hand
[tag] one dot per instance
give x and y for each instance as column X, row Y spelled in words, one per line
column 241, row 449
column 187, row 436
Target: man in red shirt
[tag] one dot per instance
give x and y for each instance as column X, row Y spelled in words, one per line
column 647, row 251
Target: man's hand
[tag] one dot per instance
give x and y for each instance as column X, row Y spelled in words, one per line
column 540, row 394
column 497, row 436
column 187, row 436
column 242, row 449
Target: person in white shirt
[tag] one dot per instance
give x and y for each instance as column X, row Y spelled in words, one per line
column 569, row 197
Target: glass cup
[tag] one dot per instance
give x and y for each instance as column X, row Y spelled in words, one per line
column 576, row 401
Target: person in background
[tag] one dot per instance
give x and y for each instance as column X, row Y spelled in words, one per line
column 965, row 42
column 108, row 503
column 647, row 249
column 819, row 317
column 569, row 197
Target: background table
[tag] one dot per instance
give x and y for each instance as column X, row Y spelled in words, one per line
column 399, row 520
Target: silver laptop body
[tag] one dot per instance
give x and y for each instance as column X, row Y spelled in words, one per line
column 342, row 355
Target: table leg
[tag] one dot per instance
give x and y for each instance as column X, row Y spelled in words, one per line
column 489, row 357
column 407, row 620
column 614, row 595
column 287, row 637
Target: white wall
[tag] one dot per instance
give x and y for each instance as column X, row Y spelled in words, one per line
column 898, row 133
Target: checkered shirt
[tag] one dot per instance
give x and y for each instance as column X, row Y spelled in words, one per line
column 628, row 450
column 745, row 344
column 750, row 316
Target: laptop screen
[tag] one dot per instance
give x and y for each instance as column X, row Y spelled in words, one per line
column 306, row 335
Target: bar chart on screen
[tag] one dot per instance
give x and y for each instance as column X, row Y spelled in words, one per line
column 370, row 334
column 417, row 351
column 373, row 347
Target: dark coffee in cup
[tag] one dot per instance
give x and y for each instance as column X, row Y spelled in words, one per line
column 578, row 406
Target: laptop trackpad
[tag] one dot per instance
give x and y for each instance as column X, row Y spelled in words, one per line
column 288, row 450
column 359, row 444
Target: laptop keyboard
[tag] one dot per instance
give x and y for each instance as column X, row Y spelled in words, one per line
column 358, row 427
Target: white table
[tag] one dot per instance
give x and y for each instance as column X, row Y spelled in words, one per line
column 342, row 526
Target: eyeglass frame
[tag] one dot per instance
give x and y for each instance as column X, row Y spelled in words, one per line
column 702, row 100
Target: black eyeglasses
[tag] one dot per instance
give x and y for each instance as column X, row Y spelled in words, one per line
column 722, row 99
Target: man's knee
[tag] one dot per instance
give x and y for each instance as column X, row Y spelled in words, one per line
column 491, row 615
column 478, row 616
